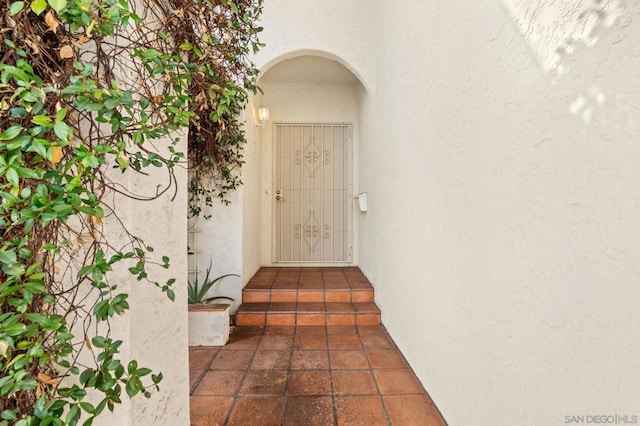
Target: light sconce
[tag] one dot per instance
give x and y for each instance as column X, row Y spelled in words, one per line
column 263, row 116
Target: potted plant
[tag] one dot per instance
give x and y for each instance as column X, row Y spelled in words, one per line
column 208, row 322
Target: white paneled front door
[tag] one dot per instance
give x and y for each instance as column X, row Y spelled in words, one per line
column 312, row 193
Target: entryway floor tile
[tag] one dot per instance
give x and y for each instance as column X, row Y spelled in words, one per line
column 306, row 375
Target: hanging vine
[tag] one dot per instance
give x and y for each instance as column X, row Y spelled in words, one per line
column 92, row 91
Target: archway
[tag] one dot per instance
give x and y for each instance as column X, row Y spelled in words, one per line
column 302, row 88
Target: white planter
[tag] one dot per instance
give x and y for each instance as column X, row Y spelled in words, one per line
column 208, row 324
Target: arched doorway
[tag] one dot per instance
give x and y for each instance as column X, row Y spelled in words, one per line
column 309, row 165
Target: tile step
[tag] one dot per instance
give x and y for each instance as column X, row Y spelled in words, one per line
column 307, row 295
column 311, row 313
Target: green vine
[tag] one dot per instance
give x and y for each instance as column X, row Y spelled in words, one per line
column 91, row 90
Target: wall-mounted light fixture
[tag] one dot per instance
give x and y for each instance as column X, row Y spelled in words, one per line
column 263, row 116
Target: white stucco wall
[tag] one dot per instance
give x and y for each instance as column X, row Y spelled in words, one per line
column 552, row 28
column 231, row 237
column 154, row 331
column 252, row 194
column 220, row 244
column 159, row 329
column 502, row 231
column 341, row 29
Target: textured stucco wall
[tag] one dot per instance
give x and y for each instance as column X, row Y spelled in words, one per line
column 154, row 330
column 159, row 329
column 342, row 29
column 231, row 238
column 502, row 231
column 220, row 244
column 554, row 27
column 252, row 194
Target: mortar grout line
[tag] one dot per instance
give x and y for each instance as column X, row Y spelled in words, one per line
column 246, row 373
column 204, row 371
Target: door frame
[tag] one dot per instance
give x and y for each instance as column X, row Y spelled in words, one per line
column 350, row 177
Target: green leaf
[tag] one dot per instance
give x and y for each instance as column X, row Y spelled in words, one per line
column 8, row 257
column 27, row 173
column 150, row 53
column 143, row 371
column 39, row 147
column 99, row 342
column 41, row 119
column 11, row 132
column 133, row 386
column 130, row 389
column 14, row 329
column 87, row 407
column 14, row 269
column 16, row 7
column 171, row 295
column 61, row 130
column 57, row 5
column 12, row 176
column 85, row 270
column 73, row 415
column 60, row 115
column 9, row 415
column 122, row 162
column 38, row 6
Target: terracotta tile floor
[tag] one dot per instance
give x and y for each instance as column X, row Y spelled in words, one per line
column 307, row 376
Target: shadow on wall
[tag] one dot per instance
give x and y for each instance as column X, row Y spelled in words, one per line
column 572, row 42
column 556, row 29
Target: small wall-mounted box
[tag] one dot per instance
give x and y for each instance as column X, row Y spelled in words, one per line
column 361, row 200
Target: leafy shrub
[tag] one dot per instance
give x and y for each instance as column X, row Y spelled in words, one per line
column 90, row 89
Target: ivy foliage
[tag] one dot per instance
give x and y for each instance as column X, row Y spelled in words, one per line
column 91, row 90
column 220, row 38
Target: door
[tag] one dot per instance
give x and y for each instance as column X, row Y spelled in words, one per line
column 312, row 193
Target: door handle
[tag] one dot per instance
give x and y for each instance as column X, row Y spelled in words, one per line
column 279, row 198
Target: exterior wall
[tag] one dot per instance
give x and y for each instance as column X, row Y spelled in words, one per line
column 220, row 241
column 299, row 103
column 502, row 230
column 252, row 195
column 502, row 222
column 231, row 237
column 552, row 27
column 154, row 330
column 159, row 328
column 341, row 29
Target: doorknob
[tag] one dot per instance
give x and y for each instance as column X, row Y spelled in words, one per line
column 279, row 198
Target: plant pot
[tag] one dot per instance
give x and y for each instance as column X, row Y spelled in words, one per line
column 209, row 324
